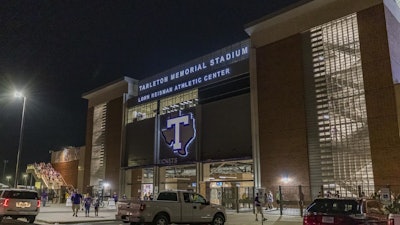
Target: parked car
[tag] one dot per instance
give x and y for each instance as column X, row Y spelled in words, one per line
column 172, row 207
column 19, row 203
column 345, row 211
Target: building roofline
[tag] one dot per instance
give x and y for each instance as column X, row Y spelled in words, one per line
column 277, row 13
column 301, row 17
column 106, row 87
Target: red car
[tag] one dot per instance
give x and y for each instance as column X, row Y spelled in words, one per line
column 345, row 211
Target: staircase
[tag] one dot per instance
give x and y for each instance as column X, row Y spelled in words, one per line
column 48, row 181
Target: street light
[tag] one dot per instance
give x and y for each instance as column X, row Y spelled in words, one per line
column 19, row 95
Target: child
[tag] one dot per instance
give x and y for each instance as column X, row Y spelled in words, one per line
column 96, row 207
column 87, row 202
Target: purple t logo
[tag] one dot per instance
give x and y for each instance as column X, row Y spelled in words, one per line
column 180, row 133
column 175, row 122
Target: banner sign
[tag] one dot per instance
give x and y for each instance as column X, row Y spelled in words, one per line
column 225, row 63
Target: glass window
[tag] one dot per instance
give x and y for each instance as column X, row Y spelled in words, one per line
column 167, row 196
column 196, row 198
column 170, row 104
column 20, row 195
column 180, row 101
column 141, row 112
column 186, row 197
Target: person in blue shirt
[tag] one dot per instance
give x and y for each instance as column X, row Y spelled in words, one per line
column 44, row 197
column 115, row 197
column 76, row 199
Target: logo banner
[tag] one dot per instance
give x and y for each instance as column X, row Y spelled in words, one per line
column 178, row 137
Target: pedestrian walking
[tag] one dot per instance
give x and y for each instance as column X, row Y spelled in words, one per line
column 96, row 206
column 270, row 200
column 55, row 198
column 301, row 201
column 115, row 197
column 87, row 203
column 257, row 204
column 76, row 199
column 44, row 197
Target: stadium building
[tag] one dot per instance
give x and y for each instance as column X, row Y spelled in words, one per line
column 311, row 100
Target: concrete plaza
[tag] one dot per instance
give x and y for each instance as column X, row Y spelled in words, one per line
column 61, row 214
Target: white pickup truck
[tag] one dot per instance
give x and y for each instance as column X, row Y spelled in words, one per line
column 172, row 207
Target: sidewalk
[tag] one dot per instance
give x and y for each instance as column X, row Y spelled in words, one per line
column 61, row 214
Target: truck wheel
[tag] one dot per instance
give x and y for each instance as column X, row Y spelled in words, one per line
column 218, row 220
column 161, row 220
column 31, row 219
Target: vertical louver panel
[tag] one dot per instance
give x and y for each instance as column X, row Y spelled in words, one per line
column 339, row 148
column 97, row 169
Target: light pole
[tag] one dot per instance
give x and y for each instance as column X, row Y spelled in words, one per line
column 19, row 95
column 4, row 168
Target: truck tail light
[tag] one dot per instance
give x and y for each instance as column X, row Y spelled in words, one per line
column 390, row 222
column 38, row 204
column 142, row 206
column 309, row 219
column 6, row 202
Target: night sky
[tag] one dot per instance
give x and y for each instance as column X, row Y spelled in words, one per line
column 57, row 50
